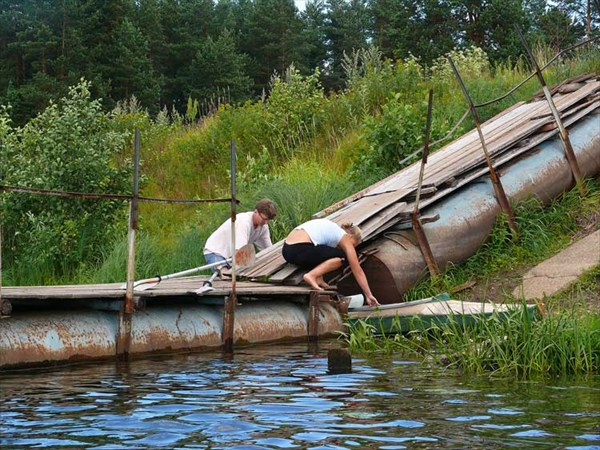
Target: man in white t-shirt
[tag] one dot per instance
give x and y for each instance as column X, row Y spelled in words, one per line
column 251, row 227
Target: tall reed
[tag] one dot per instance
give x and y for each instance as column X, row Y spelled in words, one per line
column 513, row 345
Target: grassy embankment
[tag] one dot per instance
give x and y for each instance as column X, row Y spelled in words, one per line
column 306, row 150
column 565, row 342
column 302, row 148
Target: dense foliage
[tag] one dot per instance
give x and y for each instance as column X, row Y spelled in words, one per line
column 69, row 147
column 217, row 51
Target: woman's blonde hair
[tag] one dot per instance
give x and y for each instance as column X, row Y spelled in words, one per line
column 353, row 231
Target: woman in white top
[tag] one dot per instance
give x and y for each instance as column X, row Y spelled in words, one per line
column 323, row 246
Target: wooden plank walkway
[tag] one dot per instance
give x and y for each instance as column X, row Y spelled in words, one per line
column 509, row 134
column 173, row 288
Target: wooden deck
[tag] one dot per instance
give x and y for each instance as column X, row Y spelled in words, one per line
column 173, row 288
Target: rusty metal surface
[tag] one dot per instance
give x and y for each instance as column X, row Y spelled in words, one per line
column 467, row 218
column 34, row 338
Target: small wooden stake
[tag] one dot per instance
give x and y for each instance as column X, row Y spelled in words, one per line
column 313, row 316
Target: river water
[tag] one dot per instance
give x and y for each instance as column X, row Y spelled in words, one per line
column 282, row 397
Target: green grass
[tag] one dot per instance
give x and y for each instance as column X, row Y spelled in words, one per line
column 299, row 147
column 563, row 344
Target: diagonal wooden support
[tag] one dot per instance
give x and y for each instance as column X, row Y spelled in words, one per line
column 563, row 133
column 498, row 188
column 416, row 222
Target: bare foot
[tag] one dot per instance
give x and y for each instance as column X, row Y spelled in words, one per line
column 321, row 282
column 312, row 281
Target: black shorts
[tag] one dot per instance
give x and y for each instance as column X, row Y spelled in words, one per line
column 308, row 255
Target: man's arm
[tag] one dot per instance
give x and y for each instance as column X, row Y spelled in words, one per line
column 264, row 239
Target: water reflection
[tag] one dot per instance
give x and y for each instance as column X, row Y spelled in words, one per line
column 280, row 397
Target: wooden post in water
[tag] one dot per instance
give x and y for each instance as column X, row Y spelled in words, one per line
column 231, row 300
column 416, row 221
column 126, row 311
column 498, row 188
column 563, row 133
column 313, row 316
column 1, row 303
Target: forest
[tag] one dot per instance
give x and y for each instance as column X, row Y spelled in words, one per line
column 165, row 52
column 320, row 103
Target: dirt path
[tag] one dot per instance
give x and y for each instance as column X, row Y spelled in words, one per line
column 558, row 272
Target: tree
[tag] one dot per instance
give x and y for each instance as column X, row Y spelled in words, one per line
column 564, row 23
column 219, row 67
column 70, row 146
column 273, row 38
column 314, row 18
column 422, row 28
column 489, row 24
column 134, row 74
column 186, row 24
column 348, row 28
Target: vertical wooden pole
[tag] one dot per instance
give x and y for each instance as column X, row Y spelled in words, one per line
column 1, row 303
column 126, row 312
column 564, row 134
column 416, row 221
column 498, row 188
column 231, row 300
column 5, row 305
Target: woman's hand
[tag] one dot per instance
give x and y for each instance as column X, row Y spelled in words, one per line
column 371, row 300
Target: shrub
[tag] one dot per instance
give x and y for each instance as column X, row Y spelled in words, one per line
column 71, row 146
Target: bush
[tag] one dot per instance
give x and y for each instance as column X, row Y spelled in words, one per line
column 71, row 146
column 397, row 133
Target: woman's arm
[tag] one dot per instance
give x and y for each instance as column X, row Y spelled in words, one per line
column 347, row 246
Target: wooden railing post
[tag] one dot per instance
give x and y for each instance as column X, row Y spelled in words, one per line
column 231, row 300
column 416, row 221
column 126, row 311
column 563, row 133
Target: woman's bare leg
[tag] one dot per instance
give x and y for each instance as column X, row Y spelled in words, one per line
column 315, row 275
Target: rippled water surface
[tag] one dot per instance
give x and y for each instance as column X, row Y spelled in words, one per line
column 281, row 397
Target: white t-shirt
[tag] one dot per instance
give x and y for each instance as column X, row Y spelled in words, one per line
column 245, row 233
column 323, row 232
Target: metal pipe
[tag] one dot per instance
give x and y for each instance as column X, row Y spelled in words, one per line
column 231, row 300
column 44, row 337
column 467, row 216
column 498, row 188
column 563, row 133
column 416, row 221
